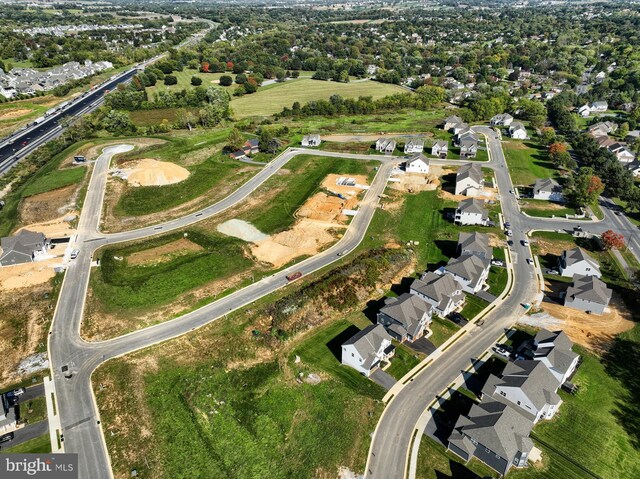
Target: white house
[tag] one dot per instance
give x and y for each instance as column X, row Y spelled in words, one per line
column 554, row 350
column 417, row 164
column 311, row 140
column 517, row 131
column 460, row 128
column 365, row 351
column 588, row 293
column 471, row 212
column 385, row 145
column 547, row 189
column 440, row 149
column 528, row 386
column 469, row 270
column 405, row 317
column 414, row 146
column 452, row 121
column 578, row 261
column 584, row 111
column 469, row 180
column 503, row 119
column 599, row 107
column 468, row 148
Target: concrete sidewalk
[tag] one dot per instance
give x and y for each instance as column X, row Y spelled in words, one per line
column 54, row 419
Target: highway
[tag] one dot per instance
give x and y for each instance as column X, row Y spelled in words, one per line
column 389, row 450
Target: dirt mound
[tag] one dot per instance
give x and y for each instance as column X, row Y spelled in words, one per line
column 149, row 172
column 57, row 228
column 415, row 182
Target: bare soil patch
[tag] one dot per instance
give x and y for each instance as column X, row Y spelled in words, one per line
column 57, row 228
column 12, row 113
column 555, row 247
column 28, row 274
column 48, row 206
column 592, row 331
column 92, row 151
column 543, row 205
column 415, row 182
column 164, row 253
column 150, row 172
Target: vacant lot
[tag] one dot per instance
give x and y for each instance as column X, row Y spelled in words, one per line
column 527, row 162
column 273, row 98
column 546, row 209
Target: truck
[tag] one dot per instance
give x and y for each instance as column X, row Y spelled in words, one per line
column 294, row 276
column 37, row 121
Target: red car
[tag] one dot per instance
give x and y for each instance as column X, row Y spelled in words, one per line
column 294, row 276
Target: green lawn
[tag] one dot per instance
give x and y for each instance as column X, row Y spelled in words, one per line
column 473, row 306
column 34, row 410
column 39, row 445
column 442, row 329
column 120, row 286
column 184, row 81
column 273, row 98
column 545, row 209
column 54, row 180
column 497, row 280
column 156, row 116
column 306, row 174
column 434, row 462
column 527, row 162
column 403, row 361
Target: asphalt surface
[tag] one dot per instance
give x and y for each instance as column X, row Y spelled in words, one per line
column 389, row 451
column 27, row 433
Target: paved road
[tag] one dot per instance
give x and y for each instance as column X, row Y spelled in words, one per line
column 79, row 417
column 389, row 450
column 27, row 433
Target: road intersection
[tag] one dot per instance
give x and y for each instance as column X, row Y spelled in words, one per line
column 79, row 416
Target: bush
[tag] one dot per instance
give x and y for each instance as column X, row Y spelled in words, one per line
column 170, row 80
column 196, row 81
column 226, row 80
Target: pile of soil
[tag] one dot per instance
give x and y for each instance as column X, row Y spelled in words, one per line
column 149, row 172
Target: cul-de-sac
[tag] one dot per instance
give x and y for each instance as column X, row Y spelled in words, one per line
column 320, row 240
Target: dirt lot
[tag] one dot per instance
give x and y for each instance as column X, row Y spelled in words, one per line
column 555, row 247
column 542, row 205
column 11, row 113
column 150, row 172
column 595, row 332
column 28, row 274
column 349, row 138
column 415, row 182
column 91, row 151
column 164, row 253
column 48, row 206
column 57, row 228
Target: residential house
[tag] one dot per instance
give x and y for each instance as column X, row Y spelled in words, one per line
column 311, row 140
column 495, row 434
column 251, row 146
column 528, row 385
column 8, row 417
column 599, row 107
column 624, row 155
column 517, row 131
column 584, row 111
column 414, row 146
column 440, row 149
column 468, row 148
column 368, row 349
column 417, row 164
column 23, row 247
column 475, row 243
column 469, row 180
column 405, row 317
column 554, row 350
column 547, row 189
column 632, row 136
column 451, row 122
column 469, row 270
column 578, row 261
column 238, row 155
column 385, row 145
column 460, row 128
column 442, row 292
column 502, row 119
column 471, row 212
column 602, row 128
column 588, row 293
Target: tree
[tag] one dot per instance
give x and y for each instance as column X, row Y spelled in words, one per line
column 241, row 78
column 170, row 80
column 226, row 80
column 235, row 140
column 204, row 68
column 623, row 131
column 547, row 135
column 611, row 240
column 585, row 187
column 117, row 121
column 196, row 81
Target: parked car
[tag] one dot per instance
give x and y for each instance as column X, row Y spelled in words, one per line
column 294, row 276
column 524, row 243
column 75, row 253
column 501, row 351
column 456, row 317
column 509, row 233
column 510, row 243
column 497, row 262
column 529, row 261
column 507, row 224
column 6, row 437
column 15, row 393
column 552, row 271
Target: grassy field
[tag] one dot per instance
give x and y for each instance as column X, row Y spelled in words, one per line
column 544, row 209
column 403, row 361
column 527, row 162
column 306, row 175
column 54, row 180
column 39, row 445
column 497, row 280
column 442, row 329
column 157, row 116
column 473, row 306
column 184, row 81
column 434, row 462
column 273, row 98
column 121, row 286
column 34, row 410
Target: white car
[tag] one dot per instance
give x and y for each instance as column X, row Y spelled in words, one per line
column 501, row 351
column 75, row 253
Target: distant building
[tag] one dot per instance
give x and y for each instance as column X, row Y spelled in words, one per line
column 517, row 131
column 503, row 119
column 451, row 122
column 24, row 247
column 311, row 140
column 599, row 107
column 417, row 164
column 413, row 146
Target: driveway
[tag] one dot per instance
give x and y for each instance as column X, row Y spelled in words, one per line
column 486, row 295
column 27, row 433
column 383, row 379
column 422, row 345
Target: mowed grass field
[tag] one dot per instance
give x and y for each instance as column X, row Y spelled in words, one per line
column 273, row 98
column 527, row 162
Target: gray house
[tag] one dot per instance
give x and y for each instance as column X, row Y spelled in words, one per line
column 23, row 247
column 452, row 121
column 475, row 243
column 468, row 148
column 588, row 293
column 578, row 261
column 469, row 270
column 405, row 317
column 366, row 350
column 547, row 189
column 554, row 350
column 495, row 434
column 527, row 385
column 442, row 292
column 471, row 212
column 469, row 180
